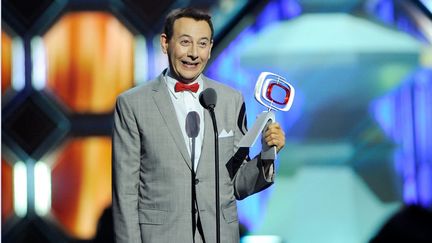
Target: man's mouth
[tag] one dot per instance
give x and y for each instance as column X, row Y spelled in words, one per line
column 189, row 64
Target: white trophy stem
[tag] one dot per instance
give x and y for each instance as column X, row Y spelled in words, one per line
column 261, row 123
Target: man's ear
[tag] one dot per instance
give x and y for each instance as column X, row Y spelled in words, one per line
column 211, row 46
column 164, row 43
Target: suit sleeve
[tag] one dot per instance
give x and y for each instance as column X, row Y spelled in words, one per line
column 250, row 176
column 125, row 173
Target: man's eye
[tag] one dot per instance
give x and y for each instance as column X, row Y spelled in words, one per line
column 184, row 42
column 203, row 44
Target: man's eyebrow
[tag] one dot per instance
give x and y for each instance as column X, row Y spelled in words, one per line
column 185, row 36
column 188, row 36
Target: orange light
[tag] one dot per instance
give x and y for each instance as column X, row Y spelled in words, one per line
column 89, row 60
column 6, row 190
column 6, row 59
column 81, row 181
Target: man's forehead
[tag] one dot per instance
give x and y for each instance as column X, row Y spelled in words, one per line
column 192, row 27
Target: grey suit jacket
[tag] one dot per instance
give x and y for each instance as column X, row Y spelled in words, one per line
column 152, row 168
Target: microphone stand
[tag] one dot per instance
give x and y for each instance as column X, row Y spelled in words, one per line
column 192, row 130
column 208, row 100
column 217, row 196
column 194, row 223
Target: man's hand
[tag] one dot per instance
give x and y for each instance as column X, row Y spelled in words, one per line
column 275, row 136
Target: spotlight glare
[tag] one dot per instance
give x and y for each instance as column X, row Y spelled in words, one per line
column 20, row 189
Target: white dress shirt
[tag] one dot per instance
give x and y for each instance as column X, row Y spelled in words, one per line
column 185, row 102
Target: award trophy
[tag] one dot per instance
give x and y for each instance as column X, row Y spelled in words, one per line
column 275, row 93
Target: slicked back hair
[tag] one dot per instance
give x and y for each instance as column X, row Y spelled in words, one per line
column 192, row 13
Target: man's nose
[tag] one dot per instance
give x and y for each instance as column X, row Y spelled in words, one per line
column 193, row 52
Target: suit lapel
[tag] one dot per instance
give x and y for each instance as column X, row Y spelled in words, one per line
column 166, row 108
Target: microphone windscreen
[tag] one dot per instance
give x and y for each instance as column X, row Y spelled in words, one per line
column 208, row 98
column 192, row 124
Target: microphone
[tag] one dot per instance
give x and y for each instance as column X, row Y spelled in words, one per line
column 192, row 130
column 208, row 100
column 192, row 124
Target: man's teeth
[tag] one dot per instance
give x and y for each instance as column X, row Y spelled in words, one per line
column 188, row 63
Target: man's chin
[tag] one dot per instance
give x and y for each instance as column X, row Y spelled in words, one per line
column 188, row 79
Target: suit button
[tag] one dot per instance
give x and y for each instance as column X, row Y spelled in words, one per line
column 196, row 181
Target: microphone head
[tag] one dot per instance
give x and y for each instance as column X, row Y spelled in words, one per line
column 192, row 124
column 208, row 98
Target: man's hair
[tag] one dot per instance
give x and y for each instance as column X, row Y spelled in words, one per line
column 193, row 13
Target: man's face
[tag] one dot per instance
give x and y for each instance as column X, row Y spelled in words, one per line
column 188, row 49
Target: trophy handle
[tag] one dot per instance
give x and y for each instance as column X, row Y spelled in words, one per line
column 261, row 123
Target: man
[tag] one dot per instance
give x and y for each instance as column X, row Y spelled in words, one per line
column 158, row 196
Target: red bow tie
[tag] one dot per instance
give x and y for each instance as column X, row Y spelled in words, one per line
column 179, row 87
